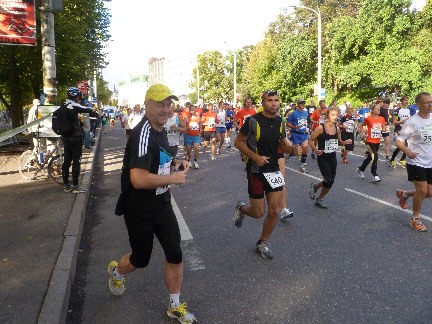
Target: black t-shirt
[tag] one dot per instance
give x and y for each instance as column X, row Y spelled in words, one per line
column 147, row 149
column 263, row 137
column 384, row 113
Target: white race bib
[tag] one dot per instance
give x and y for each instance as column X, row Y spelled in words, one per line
column 211, row 122
column 275, row 179
column 193, row 125
column 331, row 145
column 163, row 170
column 302, row 123
column 376, row 133
column 426, row 134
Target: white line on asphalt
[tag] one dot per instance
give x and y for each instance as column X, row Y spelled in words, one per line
column 305, row 174
column 364, row 156
column 387, row 204
column 184, row 229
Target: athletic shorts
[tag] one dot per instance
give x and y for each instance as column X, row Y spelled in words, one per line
column 258, row 185
column 208, row 136
column 145, row 220
column 345, row 136
column 221, row 130
column 189, row 139
column 298, row 138
column 228, row 126
column 418, row 173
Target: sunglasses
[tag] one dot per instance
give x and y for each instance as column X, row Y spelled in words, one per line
column 269, row 93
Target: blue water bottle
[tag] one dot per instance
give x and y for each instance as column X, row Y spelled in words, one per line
column 41, row 158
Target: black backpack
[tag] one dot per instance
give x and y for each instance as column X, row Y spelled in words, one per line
column 62, row 124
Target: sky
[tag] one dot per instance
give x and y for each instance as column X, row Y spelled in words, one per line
column 142, row 29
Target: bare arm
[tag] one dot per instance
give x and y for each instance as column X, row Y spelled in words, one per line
column 317, row 132
column 240, row 144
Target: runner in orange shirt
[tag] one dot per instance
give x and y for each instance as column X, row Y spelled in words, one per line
column 318, row 117
column 244, row 113
column 191, row 122
column 209, row 122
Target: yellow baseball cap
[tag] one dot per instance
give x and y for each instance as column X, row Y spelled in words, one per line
column 159, row 92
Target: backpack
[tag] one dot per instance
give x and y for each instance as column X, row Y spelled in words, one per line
column 61, row 121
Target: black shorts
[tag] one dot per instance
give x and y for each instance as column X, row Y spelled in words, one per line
column 143, row 222
column 208, row 136
column 345, row 136
column 258, row 185
column 418, row 173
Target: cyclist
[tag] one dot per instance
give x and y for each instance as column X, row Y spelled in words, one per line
column 73, row 143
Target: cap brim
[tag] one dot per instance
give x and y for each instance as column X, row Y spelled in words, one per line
column 172, row 97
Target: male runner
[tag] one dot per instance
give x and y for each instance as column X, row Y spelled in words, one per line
column 297, row 121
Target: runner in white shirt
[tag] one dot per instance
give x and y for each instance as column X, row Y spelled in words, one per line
column 417, row 134
column 220, row 127
column 135, row 117
column 172, row 128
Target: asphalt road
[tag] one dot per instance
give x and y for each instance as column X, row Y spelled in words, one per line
column 357, row 262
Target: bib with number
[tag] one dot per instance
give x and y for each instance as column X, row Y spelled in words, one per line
column 376, row 131
column 211, row 122
column 349, row 126
column 426, row 134
column 193, row 125
column 302, row 123
column 330, row 145
column 274, row 179
column 164, row 170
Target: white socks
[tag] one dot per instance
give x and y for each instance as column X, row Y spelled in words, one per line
column 174, row 300
column 116, row 274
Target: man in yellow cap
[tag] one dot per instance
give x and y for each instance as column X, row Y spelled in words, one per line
column 145, row 201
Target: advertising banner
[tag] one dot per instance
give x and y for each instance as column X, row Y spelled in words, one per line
column 17, row 22
column 45, row 127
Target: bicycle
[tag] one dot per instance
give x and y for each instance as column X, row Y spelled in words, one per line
column 31, row 162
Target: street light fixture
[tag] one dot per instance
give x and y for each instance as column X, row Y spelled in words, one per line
column 318, row 13
column 234, row 77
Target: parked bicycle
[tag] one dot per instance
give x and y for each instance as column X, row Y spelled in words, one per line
column 48, row 159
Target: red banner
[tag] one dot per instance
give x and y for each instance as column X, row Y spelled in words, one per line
column 17, row 22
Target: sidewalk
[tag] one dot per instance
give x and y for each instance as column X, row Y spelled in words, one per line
column 40, row 233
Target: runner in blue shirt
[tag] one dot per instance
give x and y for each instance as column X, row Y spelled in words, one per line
column 298, row 122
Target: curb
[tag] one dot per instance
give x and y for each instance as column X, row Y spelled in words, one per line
column 55, row 305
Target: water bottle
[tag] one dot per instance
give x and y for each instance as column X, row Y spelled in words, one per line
column 41, row 157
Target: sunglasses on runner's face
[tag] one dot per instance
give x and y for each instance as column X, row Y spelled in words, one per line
column 269, row 93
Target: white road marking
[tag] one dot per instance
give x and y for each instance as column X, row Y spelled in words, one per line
column 305, row 174
column 184, row 229
column 382, row 160
column 387, row 204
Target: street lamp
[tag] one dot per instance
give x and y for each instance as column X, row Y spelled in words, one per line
column 234, row 77
column 318, row 13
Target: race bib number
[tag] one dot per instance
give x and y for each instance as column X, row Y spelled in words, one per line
column 426, row 134
column 193, row 125
column 163, row 170
column 211, row 122
column 275, row 179
column 330, row 145
column 376, row 133
column 349, row 127
column 302, row 123
column 322, row 119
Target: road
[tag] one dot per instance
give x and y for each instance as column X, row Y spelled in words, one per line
column 357, row 262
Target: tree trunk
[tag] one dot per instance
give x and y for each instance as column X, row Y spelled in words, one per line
column 15, row 90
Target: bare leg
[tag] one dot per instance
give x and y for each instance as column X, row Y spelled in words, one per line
column 274, row 206
column 174, row 277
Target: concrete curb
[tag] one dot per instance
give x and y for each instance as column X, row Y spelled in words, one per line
column 56, row 302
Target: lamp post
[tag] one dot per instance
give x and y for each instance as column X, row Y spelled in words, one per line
column 318, row 13
column 234, row 76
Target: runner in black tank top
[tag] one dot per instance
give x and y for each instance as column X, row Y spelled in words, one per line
column 328, row 138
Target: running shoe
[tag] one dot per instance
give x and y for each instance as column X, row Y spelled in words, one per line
column 238, row 215
column 263, row 248
column 115, row 285
column 360, row 173
column 219, row 152
column 393, row 164
column 77, row 190
column 181, row 313
column 302, row 169
column 213, row 157
column 320, row 203
column 312, row 191
column 389, row 163
column 402, row 200
column 229, row 146
column 285, row 213
column 345, row 160
column 195, row 165
column 376, row 179
column 402, row 163
column 417, row 225
column 67, row 187
column 313, row 156
column 191, row 164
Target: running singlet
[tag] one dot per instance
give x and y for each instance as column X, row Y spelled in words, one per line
column 229, row 118
column 220, row 118
column 209, row 121
column 348, row 122
column 364, row 113
column 317, row 117
column 402, row 113
column 193, row 128
column 328, row 143
column 375, row 127
column 299, row 118
column 243, row 114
